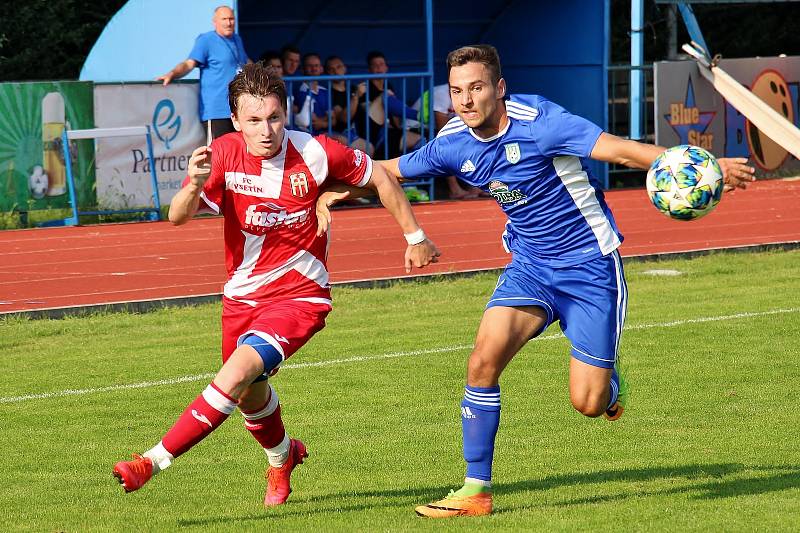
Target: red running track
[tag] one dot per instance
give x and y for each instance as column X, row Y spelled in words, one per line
column 55, row 268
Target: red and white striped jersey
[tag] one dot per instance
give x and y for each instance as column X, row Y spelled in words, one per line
column 271, row 248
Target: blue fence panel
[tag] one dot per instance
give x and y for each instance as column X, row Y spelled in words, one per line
column 399, row 123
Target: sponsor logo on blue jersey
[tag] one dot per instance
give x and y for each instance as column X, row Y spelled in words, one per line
column 500, row 192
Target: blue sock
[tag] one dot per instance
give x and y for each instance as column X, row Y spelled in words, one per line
column 480, row 418
column 613, row 388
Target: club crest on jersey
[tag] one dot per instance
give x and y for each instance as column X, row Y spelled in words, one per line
column 500, row 192
column 358, row 157
column 513, row 154
column 299, row 183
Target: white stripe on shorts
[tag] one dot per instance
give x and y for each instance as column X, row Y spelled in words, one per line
column 622, row 299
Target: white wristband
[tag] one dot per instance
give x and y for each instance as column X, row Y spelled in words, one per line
column 416, row 237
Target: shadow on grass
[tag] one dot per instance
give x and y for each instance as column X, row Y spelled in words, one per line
column 729, row 480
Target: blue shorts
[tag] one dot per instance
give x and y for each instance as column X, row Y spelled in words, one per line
column 589, row 300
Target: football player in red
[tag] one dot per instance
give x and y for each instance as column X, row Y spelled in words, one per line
column 265, row 181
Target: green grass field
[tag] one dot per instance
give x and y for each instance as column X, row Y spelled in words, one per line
column 709, row 442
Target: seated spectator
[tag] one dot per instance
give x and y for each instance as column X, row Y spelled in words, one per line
column 342, row 131
column 290, row 59
column 272, row 59
column 378, row 116
column 443, row 112
column 310, row 105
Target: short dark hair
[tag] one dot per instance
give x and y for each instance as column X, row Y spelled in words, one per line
column 373, row 55
column 289, row 49
column 477, row 53
column 256, row 80
column 331, row 58
column 269, row 55
column 310, row 54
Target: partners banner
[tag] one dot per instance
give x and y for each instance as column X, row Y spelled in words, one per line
column 33, row 116
column 689, row 111
column 123, row 169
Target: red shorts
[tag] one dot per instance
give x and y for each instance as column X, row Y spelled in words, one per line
column 287, row 324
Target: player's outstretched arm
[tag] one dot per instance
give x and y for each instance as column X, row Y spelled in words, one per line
column 186, row 202
column 612, row 149
column 335, row 193
column 421, row 251
column 392, row 167
column 331, row 195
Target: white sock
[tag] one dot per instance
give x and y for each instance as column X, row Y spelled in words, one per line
column 278, row 455
column 476, row 481
column 160, row 456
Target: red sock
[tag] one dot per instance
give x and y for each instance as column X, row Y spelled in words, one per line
column 204, row 415
column 265, row 424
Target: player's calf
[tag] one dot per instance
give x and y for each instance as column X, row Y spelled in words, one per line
column 206, row 413
column 591, row 407
column 619, row 392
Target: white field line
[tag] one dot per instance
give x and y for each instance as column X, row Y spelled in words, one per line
column 362, row 358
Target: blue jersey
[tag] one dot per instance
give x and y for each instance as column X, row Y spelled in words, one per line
column 536, row 170
column 219, row 59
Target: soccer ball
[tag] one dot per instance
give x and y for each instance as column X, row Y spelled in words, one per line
column 685, row 182
column 38, row 183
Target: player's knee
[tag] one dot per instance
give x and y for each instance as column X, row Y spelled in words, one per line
column 269, row 354
column 588, row 405
column 482, row 368
column 233, row 376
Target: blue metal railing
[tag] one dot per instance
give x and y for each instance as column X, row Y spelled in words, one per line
column 620, row 116
column 377, row 144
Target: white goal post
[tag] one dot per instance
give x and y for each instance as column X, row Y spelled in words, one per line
column 153, row 213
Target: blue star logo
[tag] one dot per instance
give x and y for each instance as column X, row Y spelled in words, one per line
column 700, row 126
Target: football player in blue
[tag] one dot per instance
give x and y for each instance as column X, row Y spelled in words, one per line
column 530, row 155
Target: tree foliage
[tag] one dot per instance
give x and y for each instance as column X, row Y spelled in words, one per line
column 50, row 39
column 733, row 30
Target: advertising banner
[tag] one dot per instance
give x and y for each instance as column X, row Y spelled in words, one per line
column 122, row 167
column 32, row 118
column 689, row 110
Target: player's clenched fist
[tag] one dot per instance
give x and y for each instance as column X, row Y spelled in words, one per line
column 200, row 165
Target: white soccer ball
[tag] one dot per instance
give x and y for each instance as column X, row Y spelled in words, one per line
column 38, row 183
column 685, row 182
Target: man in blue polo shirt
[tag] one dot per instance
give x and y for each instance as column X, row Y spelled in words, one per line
column 219, row 55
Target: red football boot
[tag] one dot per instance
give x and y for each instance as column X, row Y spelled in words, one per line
column 133, row 474
column 278, row 488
